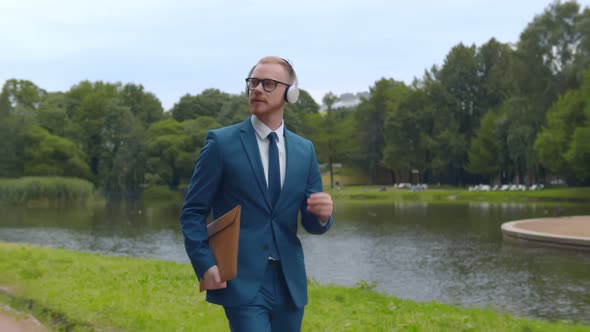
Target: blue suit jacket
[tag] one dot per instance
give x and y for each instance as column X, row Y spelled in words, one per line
column 229, row 172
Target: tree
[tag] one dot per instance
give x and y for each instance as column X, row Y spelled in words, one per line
column 52, row 114
column 233, row 110
column 123, row 154
column 183, row 110
column 23, row 95
column 329, row 100
column 544, row 64
column 449, row 149
column 18, row 102
column 145, row 106
column 582, row 54
column 493, row 67
column 5, row 107
column 51, row 155
column 371, row 116
column 171, row 151
column 305, row 103
column 405, row 134
column 560, row 145
column 197, row 129
column 460, row 78
column 578, row 154
column 208, row 103
column 484, row 152
column 297, row 114
column 554, row 140
column 331, row 133
column 11, row 146
column 455, row 92
column 109, row 134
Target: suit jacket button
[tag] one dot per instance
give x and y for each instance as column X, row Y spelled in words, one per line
column 265, row 247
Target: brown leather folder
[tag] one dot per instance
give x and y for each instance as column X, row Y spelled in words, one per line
column 224, row 235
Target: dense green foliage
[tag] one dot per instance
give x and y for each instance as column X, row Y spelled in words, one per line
column 82, row 291
column 563, row 145
column 494, row 113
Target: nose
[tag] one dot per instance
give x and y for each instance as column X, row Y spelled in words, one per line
column 258, row 90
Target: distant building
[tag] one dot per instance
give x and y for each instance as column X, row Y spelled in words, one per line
column 347, row 100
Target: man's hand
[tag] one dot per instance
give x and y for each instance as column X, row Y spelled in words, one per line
column 212, row 280
column 320, row 205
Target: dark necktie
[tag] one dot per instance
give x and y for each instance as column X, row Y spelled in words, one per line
column 274, row 186
column 274, row 170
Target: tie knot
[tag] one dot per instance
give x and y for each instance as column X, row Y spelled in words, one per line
column 272, row 137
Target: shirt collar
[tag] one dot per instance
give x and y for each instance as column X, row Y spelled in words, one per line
column 262, row 130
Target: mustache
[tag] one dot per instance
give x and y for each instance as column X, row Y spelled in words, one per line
column 256, row 98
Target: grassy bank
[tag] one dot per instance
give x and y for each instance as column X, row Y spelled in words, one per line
column 388, row 193
column 82, row 291
column 433, row 194
column 34, row 191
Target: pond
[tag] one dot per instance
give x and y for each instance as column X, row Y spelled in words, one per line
column 449, row 253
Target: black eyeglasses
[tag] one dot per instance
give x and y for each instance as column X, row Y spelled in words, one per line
column 268, row 84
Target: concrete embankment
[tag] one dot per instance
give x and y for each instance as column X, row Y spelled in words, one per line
column 569, row 232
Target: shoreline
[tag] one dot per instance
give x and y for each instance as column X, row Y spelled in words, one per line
column 89, row 291
column 574, row 195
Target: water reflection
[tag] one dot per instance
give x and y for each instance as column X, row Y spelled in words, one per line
column 449, row 253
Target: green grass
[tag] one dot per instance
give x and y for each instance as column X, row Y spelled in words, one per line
column 78, row 291
column 375, row 193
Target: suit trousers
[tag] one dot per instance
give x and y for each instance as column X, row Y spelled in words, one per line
column 272, row 309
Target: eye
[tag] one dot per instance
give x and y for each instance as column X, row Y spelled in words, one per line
column 269, row 84
column 253, row 82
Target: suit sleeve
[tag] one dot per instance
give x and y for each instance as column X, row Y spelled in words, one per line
column 201, row 192
column 314, row 185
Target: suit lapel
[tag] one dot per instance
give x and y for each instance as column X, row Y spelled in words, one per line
column 291, row 156
column 248, row 136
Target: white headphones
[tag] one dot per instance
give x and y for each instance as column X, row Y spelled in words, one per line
column 291, row 92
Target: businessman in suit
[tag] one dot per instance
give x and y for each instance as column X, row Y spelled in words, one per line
column 274, row 175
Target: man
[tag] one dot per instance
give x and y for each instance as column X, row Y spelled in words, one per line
column 275, row 178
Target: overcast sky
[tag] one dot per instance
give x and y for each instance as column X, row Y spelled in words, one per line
column 174, row 47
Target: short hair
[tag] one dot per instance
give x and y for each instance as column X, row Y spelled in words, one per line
column 281, row 61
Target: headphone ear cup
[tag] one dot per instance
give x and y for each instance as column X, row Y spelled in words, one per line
column 249, row 74
column 292, row 94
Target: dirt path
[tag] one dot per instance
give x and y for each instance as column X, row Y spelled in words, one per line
column 12, row 321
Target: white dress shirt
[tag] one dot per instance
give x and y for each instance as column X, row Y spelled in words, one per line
column 262, row 132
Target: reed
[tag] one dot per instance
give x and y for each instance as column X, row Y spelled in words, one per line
column 50, row 190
